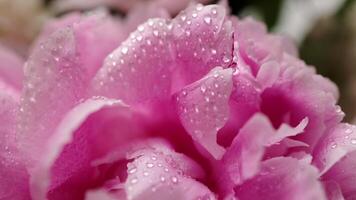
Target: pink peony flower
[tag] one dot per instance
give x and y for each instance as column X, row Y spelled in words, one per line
column 202, row 106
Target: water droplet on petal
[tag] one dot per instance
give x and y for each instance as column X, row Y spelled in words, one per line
column 124, row 50
column 213, row 51
column 174, row 179
column 150, row 165
column 207, row 19
column 183, row 18
column 334, row 145
column 194, row 15
column 141, row 28
column 203, row 89
column 132, row 170
column 353, row 141
column 348, row 131
column 214, row 11
column 134, row 181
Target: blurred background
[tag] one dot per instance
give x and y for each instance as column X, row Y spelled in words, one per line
column 324, row 30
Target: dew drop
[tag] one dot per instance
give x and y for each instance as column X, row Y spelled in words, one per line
column 353, row 141
column 150, row 165
column 155, row 33
column 139, row 38
column 207, row 20
column 132, row 170
column 163, row 179
column 214, row 11
column 213, row 51
column 124, row 50
column 145, row 173
column 334, row 145
column 348, row 131
column 194, row 15
column 134, row 181
column 183, row 18
column 174, row 179
column 141, row 28
column 226, row 59
column 203, row 89
column 199, row 7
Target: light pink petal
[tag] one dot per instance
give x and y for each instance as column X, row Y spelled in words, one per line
column 333, row 190
column 139, row 70
column 99, row 194
column 343, row 173
column 141, row 12
column 155, row 173
column 11, row 70
column 172, row 6
column 256, row 46
column 203, row 108
column 57, row 76
column 13, row 174
column 336, row 144
column 243, row 158
column 268, row 74
column 283, row 178
column 203, row 39
column 66, row 170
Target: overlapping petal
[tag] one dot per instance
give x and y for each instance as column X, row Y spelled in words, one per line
column 283, row 178
column 67, row 169
column 60, row 67
column 203, row 108
column 160, row 173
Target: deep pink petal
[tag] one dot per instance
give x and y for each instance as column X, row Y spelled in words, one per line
column 203, row 108
column 157, row 173
column 336, row 144
column 67, row 169
column 283, row 178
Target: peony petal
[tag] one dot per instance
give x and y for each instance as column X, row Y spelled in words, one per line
column 155, row 173
column 343, row 173
column 11, row 68
column 203, row 39
column 336, row 144
column 139, row 70
column 243, row 158
column 283, row 178
column 245, row 101
column 66, row 169
column 333, row 191
column 99, row 194
column 203, row 108
column 14, row 177
column 268, row 74
column 60, row 67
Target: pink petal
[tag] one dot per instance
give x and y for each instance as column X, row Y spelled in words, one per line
column 155, row 173
column 99, row 194
column 343, row 173
column 203, row 39
column 65, row 170
column 336, row 144
column 139, row 70
column 14, row 177
column 243, row 158
column 268, row 74
column 282, row 178
column 333, row 191
column 299, row 93
column 245, row 101
column 61, row 67
column 256, row 46
column 11, row 68
column 203, row 108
